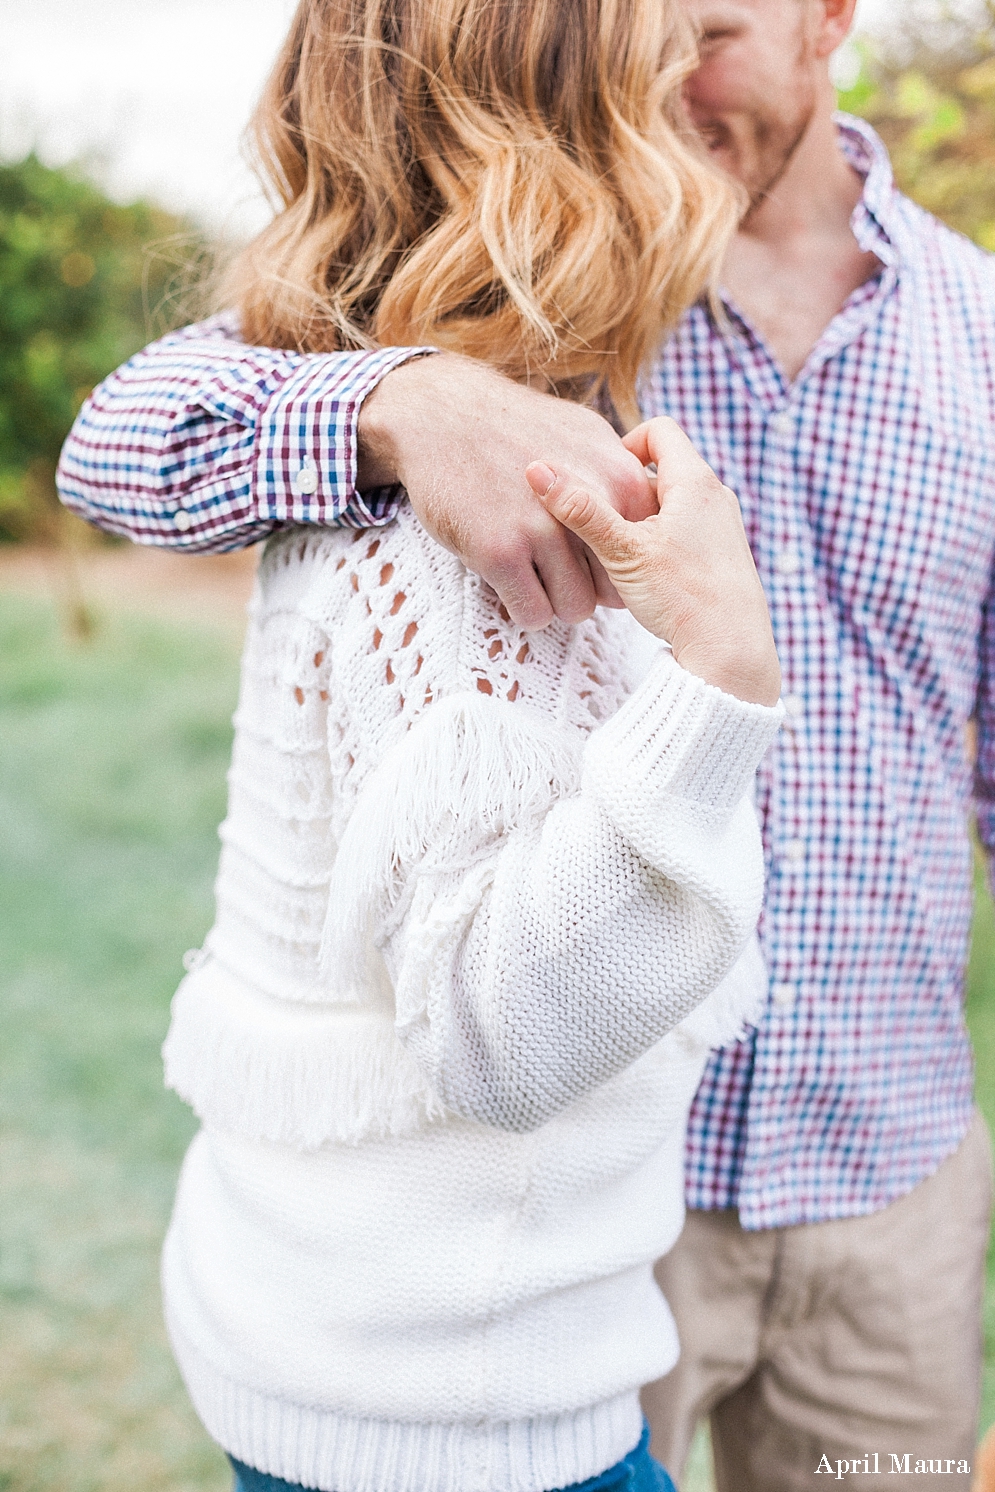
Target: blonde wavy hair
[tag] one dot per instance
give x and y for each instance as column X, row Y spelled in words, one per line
column 509, row 179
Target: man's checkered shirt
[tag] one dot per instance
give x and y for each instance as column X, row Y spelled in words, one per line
column 868, row 490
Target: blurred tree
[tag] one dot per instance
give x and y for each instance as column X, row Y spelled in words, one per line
column 84, row 282
column 929, row 91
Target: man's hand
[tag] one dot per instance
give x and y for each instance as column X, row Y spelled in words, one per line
column 685, row 573
column 458, row 437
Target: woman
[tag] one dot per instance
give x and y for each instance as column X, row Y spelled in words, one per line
column 484, row 896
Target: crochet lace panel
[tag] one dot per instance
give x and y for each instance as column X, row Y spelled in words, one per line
column 398, row 623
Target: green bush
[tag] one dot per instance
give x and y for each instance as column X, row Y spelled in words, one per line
column 84, row 282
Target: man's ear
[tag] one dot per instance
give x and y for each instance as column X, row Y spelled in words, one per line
column 835, row 23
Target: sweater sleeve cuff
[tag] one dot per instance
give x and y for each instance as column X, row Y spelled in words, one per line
column 677, row 737
column 306, row 451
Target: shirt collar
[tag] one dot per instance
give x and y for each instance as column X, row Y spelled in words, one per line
column 876, row 220
column 879, row 226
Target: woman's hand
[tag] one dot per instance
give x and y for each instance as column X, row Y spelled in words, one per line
column 685, row 572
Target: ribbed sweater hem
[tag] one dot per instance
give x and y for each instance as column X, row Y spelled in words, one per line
column 339, row 1453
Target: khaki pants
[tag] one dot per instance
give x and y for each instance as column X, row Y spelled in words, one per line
column 836, row 1339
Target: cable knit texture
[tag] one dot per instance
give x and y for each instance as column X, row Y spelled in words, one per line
column 486, row 899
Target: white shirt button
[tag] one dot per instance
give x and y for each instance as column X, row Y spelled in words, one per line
column 794, row 850
column 782, row 423
column 788, row 562
column 794, row 705
column 783, row 995
column 306, row 481
column 182, row 520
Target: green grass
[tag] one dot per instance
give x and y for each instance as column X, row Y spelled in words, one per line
column 981, row 1020
column 112, row 762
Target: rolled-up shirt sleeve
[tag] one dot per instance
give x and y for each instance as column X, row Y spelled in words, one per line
column 203, row 443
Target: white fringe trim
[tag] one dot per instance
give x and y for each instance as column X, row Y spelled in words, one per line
column 470, row 770
column 733, row 1005
column 296, row 1075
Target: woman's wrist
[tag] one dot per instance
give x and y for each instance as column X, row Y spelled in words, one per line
column 749, row 673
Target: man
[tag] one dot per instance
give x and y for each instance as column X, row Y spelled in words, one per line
column 828, row 1283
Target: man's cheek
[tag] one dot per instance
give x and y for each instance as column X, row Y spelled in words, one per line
column 718, row 87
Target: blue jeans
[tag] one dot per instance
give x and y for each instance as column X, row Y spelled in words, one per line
column 638, row 1472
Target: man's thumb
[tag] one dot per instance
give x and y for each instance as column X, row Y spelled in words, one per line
column 591, row 518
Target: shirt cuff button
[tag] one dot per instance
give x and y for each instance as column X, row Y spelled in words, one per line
column 182, row 520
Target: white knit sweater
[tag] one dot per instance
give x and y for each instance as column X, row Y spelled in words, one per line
column 475, row 888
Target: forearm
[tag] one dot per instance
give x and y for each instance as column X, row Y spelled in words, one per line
column 201, row 443
column 552, row 992
column 588, row 931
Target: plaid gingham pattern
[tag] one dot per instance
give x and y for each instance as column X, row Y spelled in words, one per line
column 868, row 489
column 200, row 443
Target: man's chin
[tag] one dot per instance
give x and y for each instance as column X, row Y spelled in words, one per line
column 756, row 157
column 756, row 176
column 760, row 187
column 746, row 166
column 726, row 154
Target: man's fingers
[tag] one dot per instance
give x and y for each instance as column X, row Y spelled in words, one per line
column 591, row 518
column 540, row 572
column 566, row 577
column 521, row 591
column 559, row 577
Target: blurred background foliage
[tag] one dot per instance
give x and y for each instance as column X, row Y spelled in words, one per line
column 929, row 91
column 87, row 281
column 84, row 283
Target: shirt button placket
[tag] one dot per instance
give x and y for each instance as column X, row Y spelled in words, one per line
column 788, row 562
column 794, row 715
column 785, row 548
column 305, row 483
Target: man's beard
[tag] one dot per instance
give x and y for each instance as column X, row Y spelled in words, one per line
column 772, row 145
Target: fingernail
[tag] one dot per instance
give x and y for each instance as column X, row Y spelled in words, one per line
column 540, row 478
